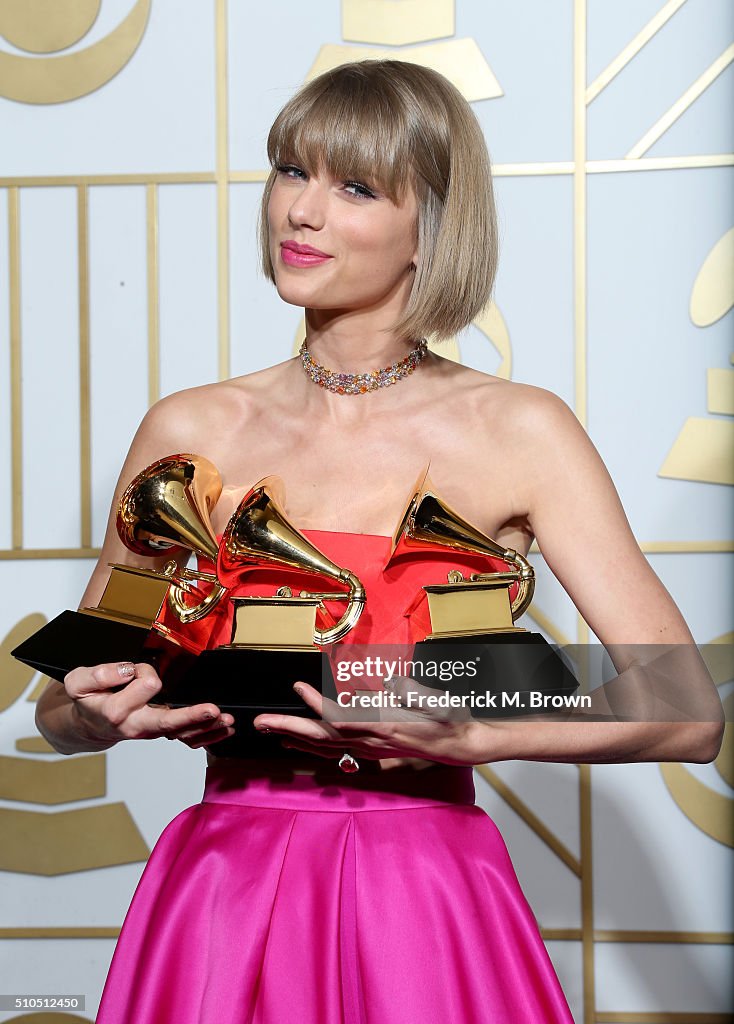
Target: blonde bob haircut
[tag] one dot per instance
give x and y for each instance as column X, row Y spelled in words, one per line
column 395, row 125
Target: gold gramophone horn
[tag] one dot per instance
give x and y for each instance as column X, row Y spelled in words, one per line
column 260, row 534
column 427, row 521
column 168, row 506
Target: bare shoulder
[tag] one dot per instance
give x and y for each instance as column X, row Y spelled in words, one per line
column 518, row 410
column 204, row 418
column 542, row 432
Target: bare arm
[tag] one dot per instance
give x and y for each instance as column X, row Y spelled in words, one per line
column 582, row 530
column 91, row 711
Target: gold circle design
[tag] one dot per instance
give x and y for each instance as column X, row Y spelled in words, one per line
column 46, row 26
column 71, row 75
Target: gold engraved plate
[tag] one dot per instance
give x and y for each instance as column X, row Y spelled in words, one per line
column 468, row 608
column 279, row 623
column 132, row 594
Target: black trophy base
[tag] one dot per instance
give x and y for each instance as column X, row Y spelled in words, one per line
column 246, row 682
column 502, row 675
column 73, row 639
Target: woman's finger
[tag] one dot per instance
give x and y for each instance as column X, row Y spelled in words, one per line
column 86, row 681
column 142, row 687
column 336, row 715
column 310, row 695
column 201, row 728
column 294, row 725
column 150, row 722
column 208, row 738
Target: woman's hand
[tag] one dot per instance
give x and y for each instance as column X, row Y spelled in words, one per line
column 450, row 736
column 110, row 703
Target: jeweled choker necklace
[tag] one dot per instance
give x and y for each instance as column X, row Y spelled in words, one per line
column 360, row 383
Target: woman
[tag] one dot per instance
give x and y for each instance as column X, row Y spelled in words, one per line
column 296, row 889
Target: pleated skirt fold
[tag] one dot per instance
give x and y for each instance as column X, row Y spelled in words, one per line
column 383, row 899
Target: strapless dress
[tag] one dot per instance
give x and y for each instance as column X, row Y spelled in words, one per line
column 383, row 897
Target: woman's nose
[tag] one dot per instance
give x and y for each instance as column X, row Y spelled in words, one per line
column 308, row 209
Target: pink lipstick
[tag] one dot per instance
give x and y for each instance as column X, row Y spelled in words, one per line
column 296, row 255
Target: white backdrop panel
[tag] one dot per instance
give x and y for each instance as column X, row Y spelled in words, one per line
column 269, row 57
column 5, row 438
column 50, row 319
column 535, row 280
column 188, row 286
column 77, row 966
column 645, row 978
column 529, row 48
column 262, row 326
column 693, row 580
column 119, row 335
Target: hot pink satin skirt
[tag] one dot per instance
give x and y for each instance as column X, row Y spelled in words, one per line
column 384, row 898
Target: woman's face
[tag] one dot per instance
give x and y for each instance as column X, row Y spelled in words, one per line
column 340, row 245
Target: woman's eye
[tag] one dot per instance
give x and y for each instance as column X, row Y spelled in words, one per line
column 290, row 171
column 356, row 188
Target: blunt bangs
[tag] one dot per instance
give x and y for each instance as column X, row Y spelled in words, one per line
column 347, row 128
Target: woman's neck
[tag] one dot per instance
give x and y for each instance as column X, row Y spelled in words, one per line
column 349, row 344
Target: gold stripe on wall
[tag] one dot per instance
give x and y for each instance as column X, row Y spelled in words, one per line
column 663, row 1018
column 168, row 177
column 16, row 393
column 95, row 932
column 632, row 48
column 85, row 440
column 682, row 104
column 683, row 938
column 660, row 163
column 222, row 190
column 529, row 817
column 247, row 176
column 26, row 554
column 587, row 894
column 580, row 408
column 560, row 934
column 711, row 547
column 579, row 208
column 151, row 245
column 532, row 169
